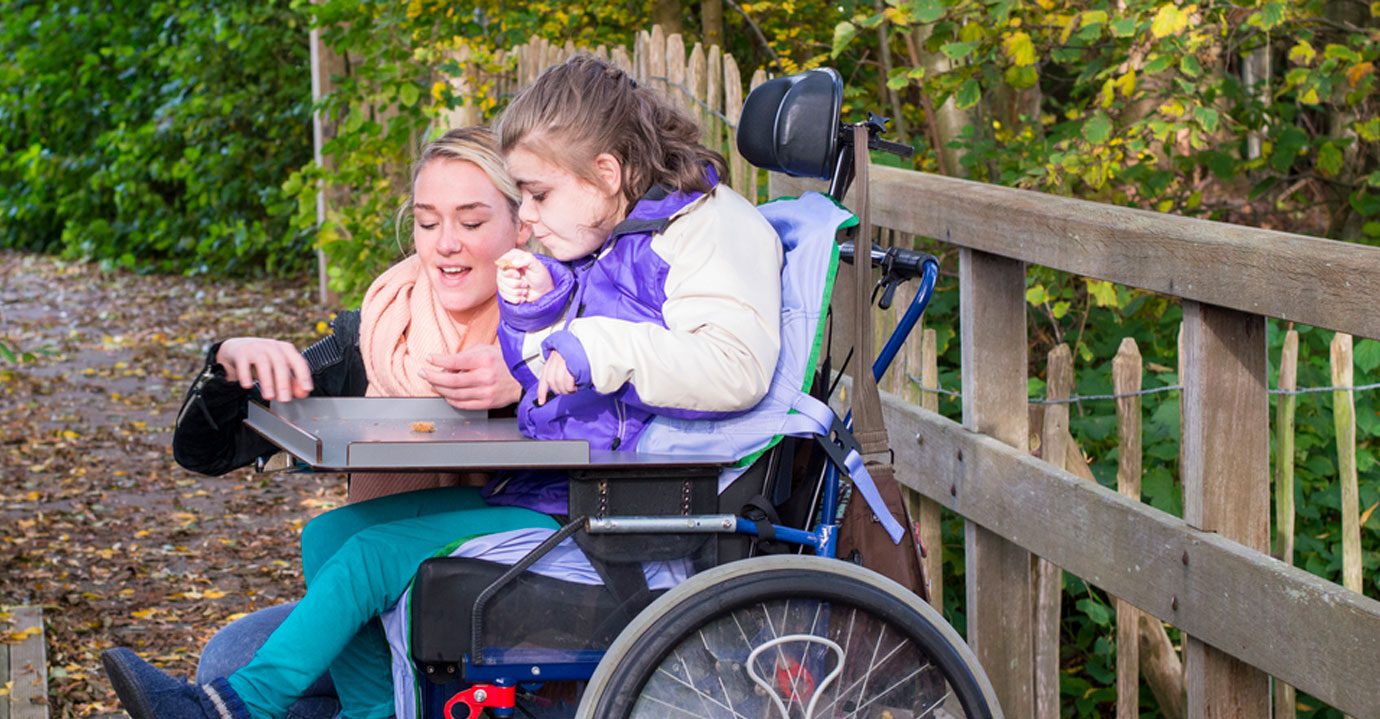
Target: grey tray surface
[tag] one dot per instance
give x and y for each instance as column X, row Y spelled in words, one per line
column 375, row 434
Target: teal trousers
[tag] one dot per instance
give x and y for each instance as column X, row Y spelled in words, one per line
column 357, row 561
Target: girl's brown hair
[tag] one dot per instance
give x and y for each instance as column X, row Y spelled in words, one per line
column 584, row 107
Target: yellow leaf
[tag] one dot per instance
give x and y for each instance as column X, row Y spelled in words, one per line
column 1045, row 4
column 1067, row 23
column 1365, row 516
column 1355, row 74
column 1168, row 21
column 1302, row 53
column 1127, row 83
column 1020, row 49
column 1108, row 93
column 212, row 594
column 1173, row 108
column 1310, row 97
column 20, row 636
column 143, row 613
column 438, row 90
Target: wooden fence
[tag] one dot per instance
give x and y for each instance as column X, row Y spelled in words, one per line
column 1246, row 615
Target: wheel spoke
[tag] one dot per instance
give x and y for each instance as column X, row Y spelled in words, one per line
column 898, row 683
column 728, row 696
column 885, row 659
column 662, row 671
column 682, row 710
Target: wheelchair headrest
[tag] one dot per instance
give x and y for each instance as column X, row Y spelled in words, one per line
column 790, row 124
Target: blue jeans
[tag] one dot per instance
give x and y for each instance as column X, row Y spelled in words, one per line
column 234, row 645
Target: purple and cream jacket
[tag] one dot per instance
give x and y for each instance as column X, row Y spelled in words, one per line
column 677, row 314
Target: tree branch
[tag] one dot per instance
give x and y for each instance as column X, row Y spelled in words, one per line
column 762, row 39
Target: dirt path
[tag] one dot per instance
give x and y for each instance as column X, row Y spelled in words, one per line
column 97, row 524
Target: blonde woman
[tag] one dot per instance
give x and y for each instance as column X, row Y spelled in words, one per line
column 427, row 327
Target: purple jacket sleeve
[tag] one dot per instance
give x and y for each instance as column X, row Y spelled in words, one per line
column 547, row 309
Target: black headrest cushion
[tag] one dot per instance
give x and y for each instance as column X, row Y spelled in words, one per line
column 790, row 124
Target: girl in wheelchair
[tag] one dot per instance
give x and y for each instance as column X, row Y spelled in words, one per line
column 661, row 297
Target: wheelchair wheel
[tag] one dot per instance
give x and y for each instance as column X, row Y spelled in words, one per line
column 787, row 637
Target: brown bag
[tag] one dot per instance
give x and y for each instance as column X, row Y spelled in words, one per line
column 861, row 536
column 863, row 540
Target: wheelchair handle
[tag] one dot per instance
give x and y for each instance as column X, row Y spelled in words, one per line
column 898, row 261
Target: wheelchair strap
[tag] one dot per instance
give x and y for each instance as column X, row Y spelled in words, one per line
column 868, row 426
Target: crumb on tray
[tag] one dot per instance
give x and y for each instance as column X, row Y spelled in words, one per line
column 423, row 426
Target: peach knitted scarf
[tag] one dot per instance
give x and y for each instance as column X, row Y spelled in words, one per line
column 401, row 325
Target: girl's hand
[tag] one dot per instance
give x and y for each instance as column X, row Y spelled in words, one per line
column 554, row 377
column 279, row 368
column 474, row 379
column 522, row 277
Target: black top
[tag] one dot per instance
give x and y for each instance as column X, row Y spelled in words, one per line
column 210, row 436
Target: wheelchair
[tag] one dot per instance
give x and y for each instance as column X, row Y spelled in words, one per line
column 768, row 623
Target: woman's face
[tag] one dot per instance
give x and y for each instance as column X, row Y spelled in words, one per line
column 462, row 224
column 569, row 216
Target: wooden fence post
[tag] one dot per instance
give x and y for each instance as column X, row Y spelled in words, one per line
column 1226, row 455
column 931, row 531
column 675, row 72
column 750, row 170
column 695, row 80
column 1285, row 703
column 1126, row 379
column 656, row 60
column 1344, row 419
column 998, row 596
column 325, row 64
column 619, row 56
column 733, row 107
column 714, row 97
column 1049, row 579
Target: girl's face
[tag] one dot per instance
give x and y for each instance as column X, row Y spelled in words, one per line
column 567, row 214
column 462, row 224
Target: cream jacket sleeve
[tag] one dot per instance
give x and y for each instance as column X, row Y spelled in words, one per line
column 722, row 312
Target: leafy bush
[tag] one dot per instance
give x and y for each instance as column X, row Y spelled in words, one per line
column 155, row 135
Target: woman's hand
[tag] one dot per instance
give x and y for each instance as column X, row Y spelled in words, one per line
column 555, row 376
column 476, row 378
column 279, row 368
column 522, row 277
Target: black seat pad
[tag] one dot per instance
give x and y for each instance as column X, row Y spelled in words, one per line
column 532, row 611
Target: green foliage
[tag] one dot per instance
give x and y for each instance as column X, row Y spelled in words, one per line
column 399, row 90
column 1145, row 102
column 153, row 135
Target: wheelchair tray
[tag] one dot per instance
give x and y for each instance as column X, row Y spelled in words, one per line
column 349, row 434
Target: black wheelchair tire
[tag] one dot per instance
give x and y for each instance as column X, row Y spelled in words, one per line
column 645, row 644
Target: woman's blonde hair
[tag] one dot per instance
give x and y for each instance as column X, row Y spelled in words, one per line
column 475, row 144
column 585, row 106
